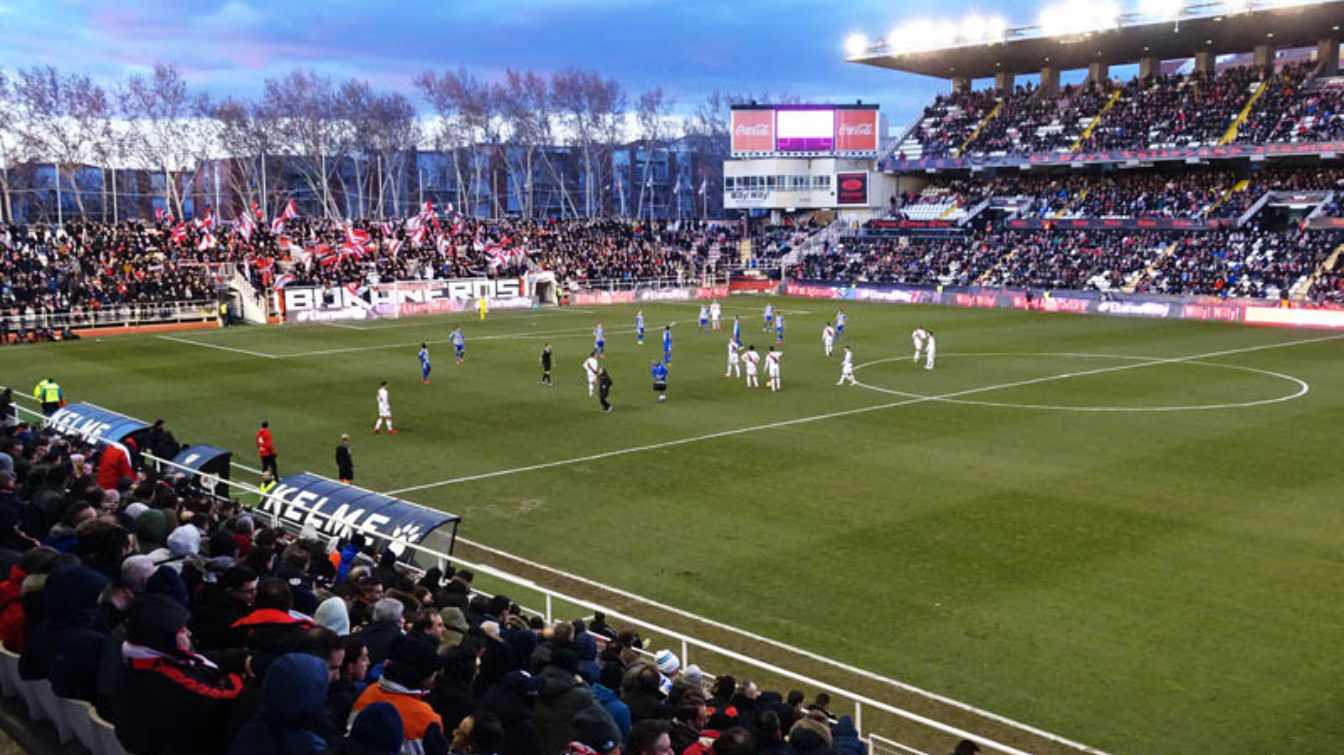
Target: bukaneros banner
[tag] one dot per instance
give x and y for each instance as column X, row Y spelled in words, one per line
column 337, row 510
column 400, row 299
column 851, row 188
column 753, row 131
column 1121, row 224
column 1079, row 302
column 1230, row 151
column 93, row 423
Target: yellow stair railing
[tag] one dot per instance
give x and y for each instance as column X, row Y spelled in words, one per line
column 1148, row 271
column 1087, row 132
column 1300, row 293
column 998, row 107
column 1231, row 134
column 987, row 276
column 1236, row 187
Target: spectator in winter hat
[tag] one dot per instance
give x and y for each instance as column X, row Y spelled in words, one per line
column 181, row 700
column 293, row 703
column 409, row 674
column 135, row 572
column 595, row 729
column 333, row 615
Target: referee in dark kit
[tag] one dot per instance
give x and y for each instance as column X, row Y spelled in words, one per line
column 546, row 365
column 604, row 388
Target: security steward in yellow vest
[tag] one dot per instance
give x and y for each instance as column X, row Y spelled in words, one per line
column 268, row 484
column 48, row 393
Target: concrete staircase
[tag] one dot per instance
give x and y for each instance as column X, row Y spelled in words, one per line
column 253, row 303
column 998, row 108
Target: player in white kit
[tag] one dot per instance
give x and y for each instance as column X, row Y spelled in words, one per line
column 715, row 312
column 919, row 337
column 772, row 368
column 734, row 361
column 384, row 410
column 591, row 368
column 828, row 338
column 847, row 369
column 930, row 348
column 752, row 360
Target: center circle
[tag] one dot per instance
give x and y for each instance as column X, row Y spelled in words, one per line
column 1300, row 387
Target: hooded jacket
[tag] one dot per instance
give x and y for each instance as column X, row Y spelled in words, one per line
column 511, row 700
column 181, row 703
column 845, row 738
column 75, row 631
column 561, row 697
column 70, row 628
column 293, row 705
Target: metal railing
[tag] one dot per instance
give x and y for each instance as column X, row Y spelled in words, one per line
column 119, row 315
column 719, row 277
column 294, row 516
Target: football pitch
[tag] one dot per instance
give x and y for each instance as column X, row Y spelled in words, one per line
column 1127, row 532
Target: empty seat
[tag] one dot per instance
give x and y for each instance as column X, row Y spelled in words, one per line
column 55, row 711
column 9, row 672
column 77, row 715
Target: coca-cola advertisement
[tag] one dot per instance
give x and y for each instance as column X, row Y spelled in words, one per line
column 753, row 131
column 855, row 131
column 851, row 188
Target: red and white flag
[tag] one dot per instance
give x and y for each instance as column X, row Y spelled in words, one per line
column 179, row 234
column 444, row 245
column 207, row 219
column 246, row 225
column 161, row 215
column 289, row 213
column 427, row 209
column 284, row 280
column 256, row 211
column 206, row 242
column 393, row 245
column 356, row 237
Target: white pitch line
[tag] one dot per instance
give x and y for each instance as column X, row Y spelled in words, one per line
column 189, row 342
column 846, row 413
column 523, row 335
column 344, row 326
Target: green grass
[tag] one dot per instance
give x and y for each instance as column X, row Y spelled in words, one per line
column 1141, row 581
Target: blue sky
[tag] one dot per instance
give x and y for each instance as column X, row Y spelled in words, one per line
column 687, row 46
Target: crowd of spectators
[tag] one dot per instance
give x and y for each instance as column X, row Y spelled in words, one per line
column 191, row 626
column 1165, row 111
column 952, row 118
column 1247, row 262
column 1031, row 122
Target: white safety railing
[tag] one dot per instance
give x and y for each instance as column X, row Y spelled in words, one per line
column 294, row 516
column 719, row 277
column 114, row 316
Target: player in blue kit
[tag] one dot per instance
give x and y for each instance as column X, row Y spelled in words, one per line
column 737, row 331
column 639, row 327
column 459, row 344
column 659, row 371
column 839, row 324
column 600, row 339
column 704, row 318
column 769, row 317
column 667, row 344
column 424, row 363
column 779, row 327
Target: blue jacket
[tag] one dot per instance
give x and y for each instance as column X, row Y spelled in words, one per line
column 293, row 707
column 75, row 632
column 615, row 707
column 845, row 738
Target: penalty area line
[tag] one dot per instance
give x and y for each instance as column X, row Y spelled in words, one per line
column 218, row 347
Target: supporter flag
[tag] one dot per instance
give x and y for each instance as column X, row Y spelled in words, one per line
column 284, row 280
column 417, row 229
column 427, row 209
column 160, row 215
column 356, row 237
column 393, row 245
column 283, row 243
column 256, row 211
column 179, row 234
column 704, row 184
column 207, row 241
column 289, row 213
column 207, row 219
column 246, row 225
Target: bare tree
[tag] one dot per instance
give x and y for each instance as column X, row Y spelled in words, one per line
column 707, row 129
column 166, row 126
column 651, row 115
column 469, row 117
column 62, row 119
column 592, row 110
column 11, row 150
column 393, row 133
column 304, row 109
column 247, row 138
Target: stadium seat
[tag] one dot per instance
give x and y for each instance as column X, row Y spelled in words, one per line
column 9, row 673
column 105, row 734
column 55, row 711
column 28, row 691
column 78, row 717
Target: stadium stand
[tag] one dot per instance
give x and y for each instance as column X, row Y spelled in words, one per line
column 142, row 614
